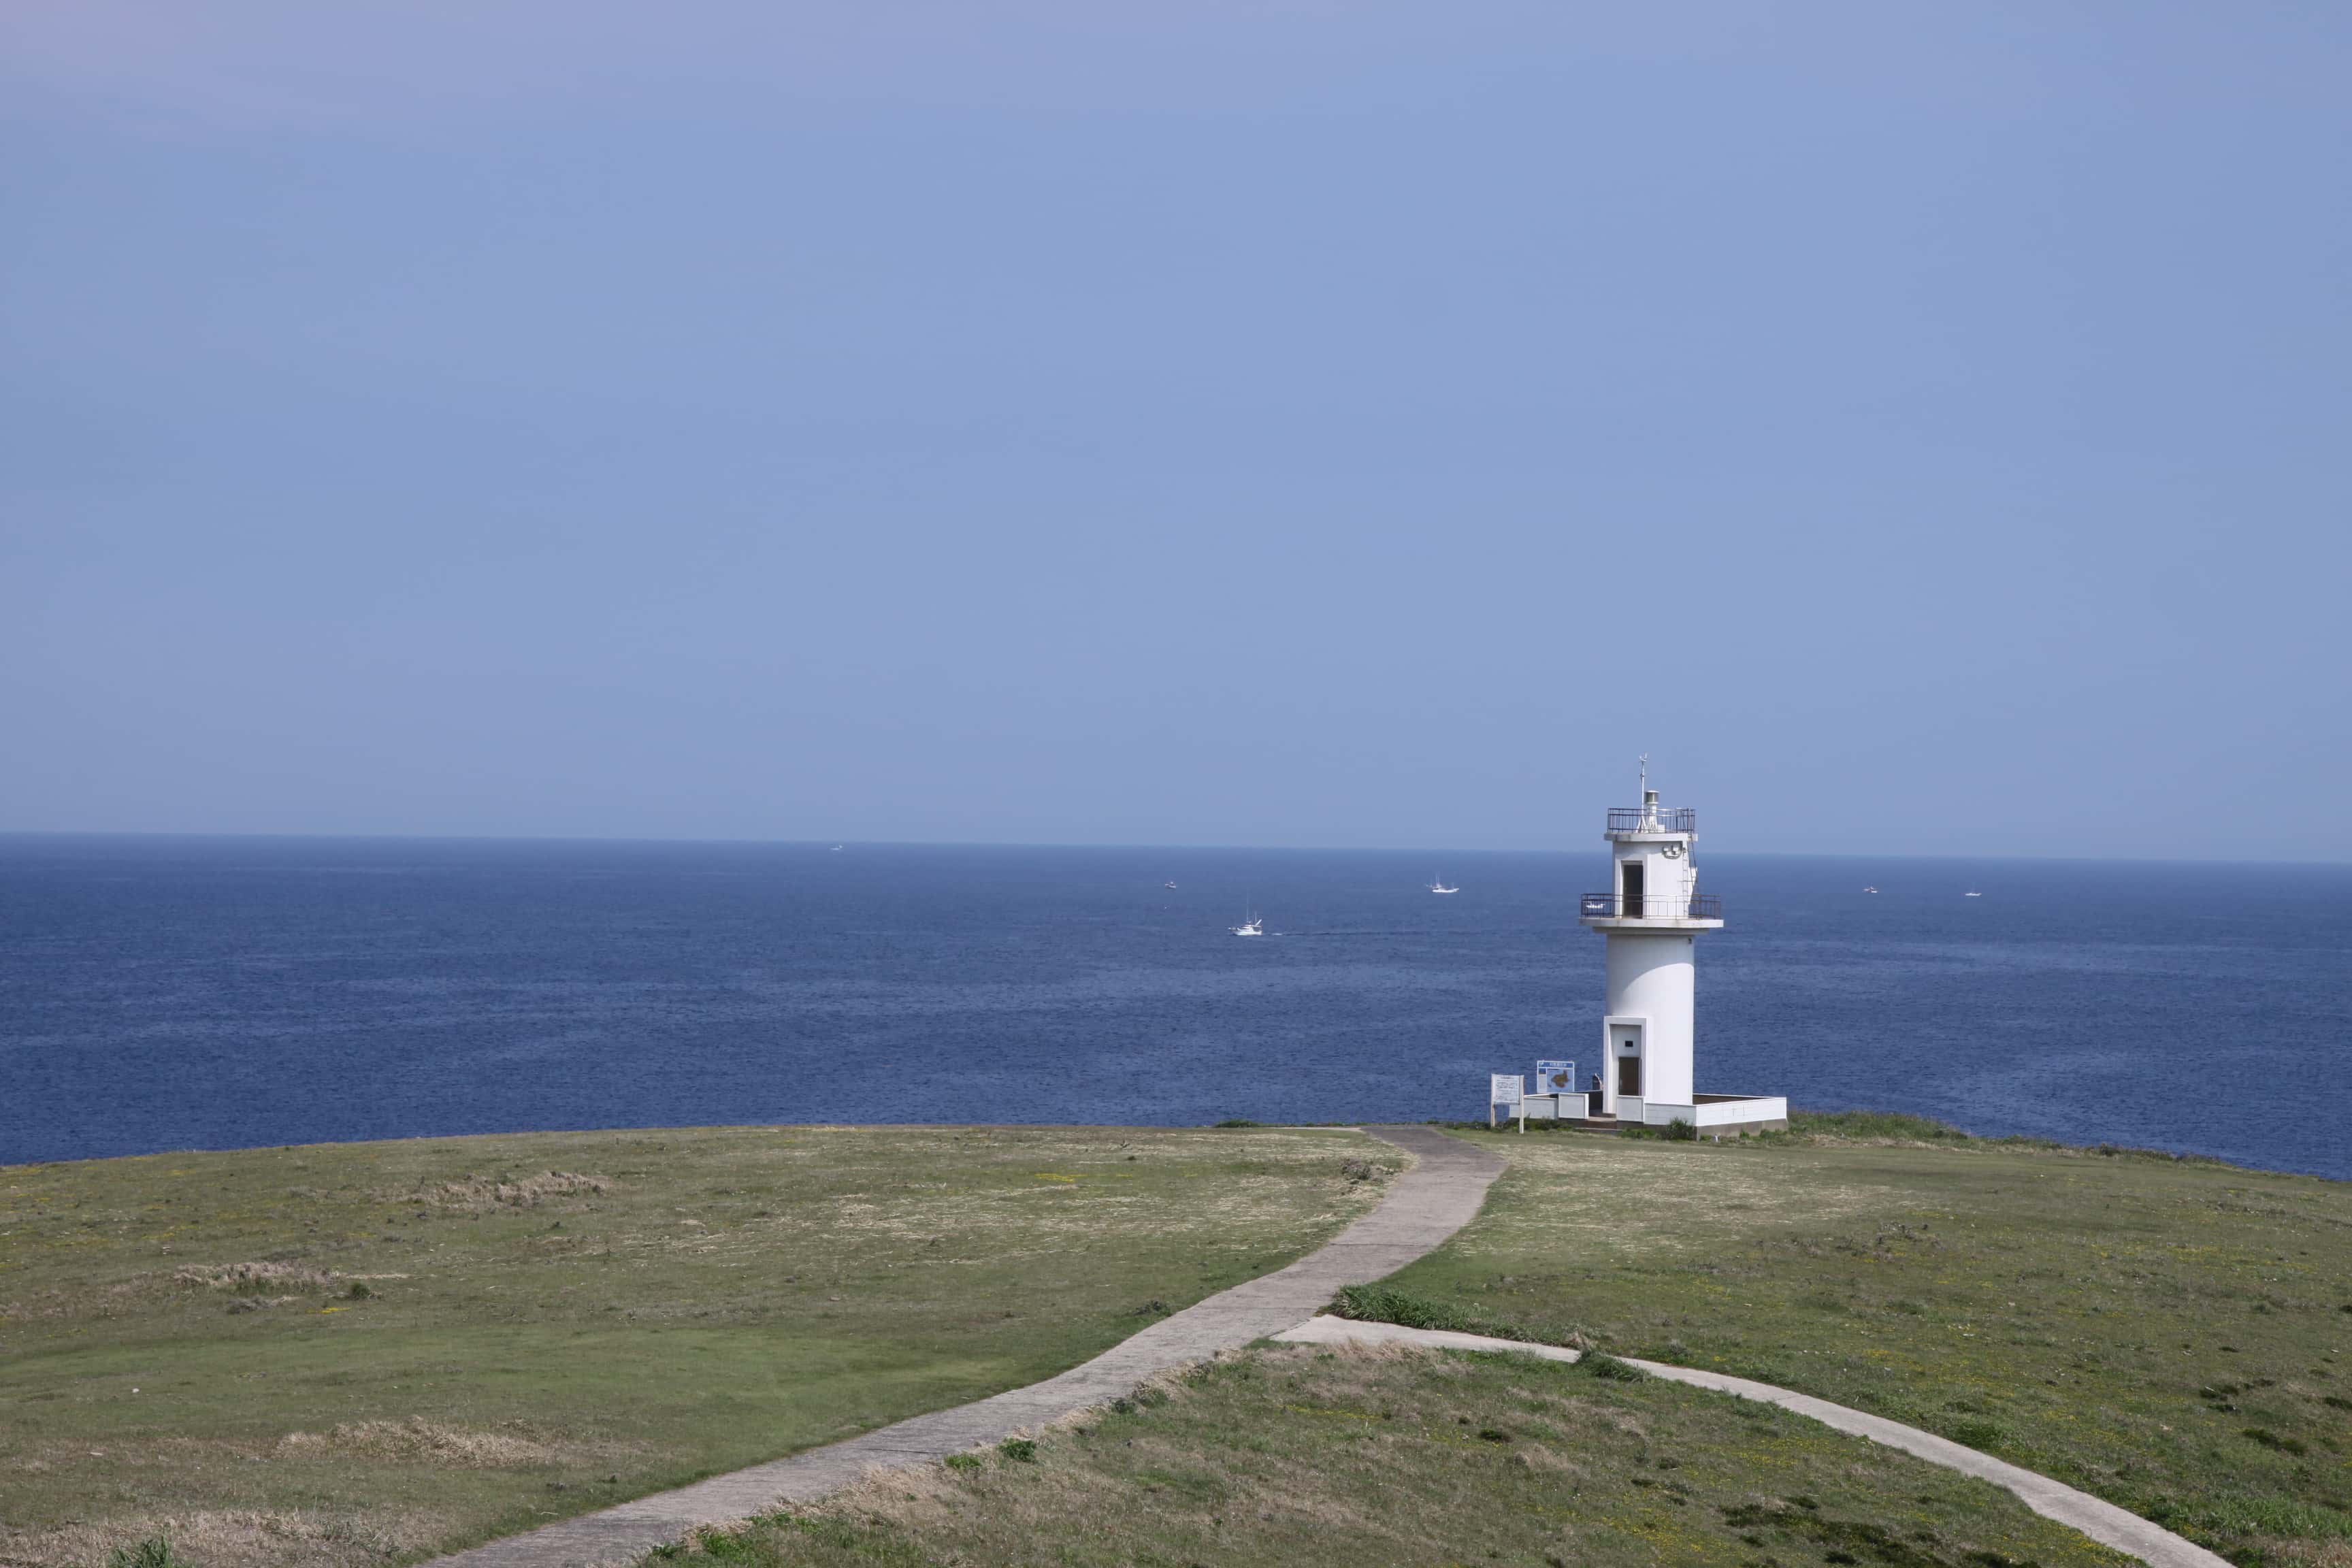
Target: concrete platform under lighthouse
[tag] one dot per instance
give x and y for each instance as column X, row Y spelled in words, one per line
column 1709, row 1115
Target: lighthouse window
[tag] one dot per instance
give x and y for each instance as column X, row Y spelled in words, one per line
column 1632, row 890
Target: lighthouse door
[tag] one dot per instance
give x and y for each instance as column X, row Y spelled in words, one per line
column 1632, row 908
column 1629, row 1063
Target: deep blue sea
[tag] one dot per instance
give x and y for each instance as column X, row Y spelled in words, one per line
column 176, row 993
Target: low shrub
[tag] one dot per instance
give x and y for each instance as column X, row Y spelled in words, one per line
column 154, row 1552
column 724, row 1544
column 1980, row 1435
column 1601, row 1365
column 1379, row 1304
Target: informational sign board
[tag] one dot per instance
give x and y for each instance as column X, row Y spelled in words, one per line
column 1555, row 1077
column 1506, row 1089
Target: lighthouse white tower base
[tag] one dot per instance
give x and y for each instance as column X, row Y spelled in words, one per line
column 1652, row 917
column 1650, row 1021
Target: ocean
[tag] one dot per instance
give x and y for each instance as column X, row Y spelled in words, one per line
column 160, row 993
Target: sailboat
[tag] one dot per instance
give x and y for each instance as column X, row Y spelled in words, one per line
column 1437, row 885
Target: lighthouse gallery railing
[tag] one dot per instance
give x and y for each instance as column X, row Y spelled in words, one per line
column 1664, row 907
column 1657, row 819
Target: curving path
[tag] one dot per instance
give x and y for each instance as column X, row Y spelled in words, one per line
column 1423, row 1206
column 2103, row 1522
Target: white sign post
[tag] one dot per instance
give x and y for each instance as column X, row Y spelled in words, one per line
column 1506, row 1089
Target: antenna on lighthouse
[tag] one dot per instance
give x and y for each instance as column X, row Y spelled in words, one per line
column 1645, row 773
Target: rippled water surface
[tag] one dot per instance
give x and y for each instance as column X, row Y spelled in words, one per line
column 160, row 993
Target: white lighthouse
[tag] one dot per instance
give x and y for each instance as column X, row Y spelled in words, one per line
column 1652, row 917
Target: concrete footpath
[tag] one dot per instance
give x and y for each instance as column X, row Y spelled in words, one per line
column 2102, row 1522
column 1422, row 1206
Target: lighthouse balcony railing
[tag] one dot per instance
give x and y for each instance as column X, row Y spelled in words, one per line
column 1652, row 819
column 1664, row 907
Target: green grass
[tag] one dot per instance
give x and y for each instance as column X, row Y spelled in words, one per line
column 1861, row 1126
column 2169, row 1334
column 363, row 1354
column 1316, row 1457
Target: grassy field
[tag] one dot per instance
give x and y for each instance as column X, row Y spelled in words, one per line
column 2170, row 1335
column 361, row 1353
column 1337, row 1458
column 356, row 1354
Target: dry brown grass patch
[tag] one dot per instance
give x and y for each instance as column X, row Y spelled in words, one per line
column 471, row 1193
column 257, row 1278
column 2292, row 1554
column 419, row 1441
column 230, row 1538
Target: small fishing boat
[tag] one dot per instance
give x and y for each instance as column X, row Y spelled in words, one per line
column 1972, row 893
column 1170, row 885
column 1437, row 885
column 1252, row 924
column 1870, row 890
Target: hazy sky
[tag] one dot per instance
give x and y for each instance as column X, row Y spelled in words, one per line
column 1920, row 427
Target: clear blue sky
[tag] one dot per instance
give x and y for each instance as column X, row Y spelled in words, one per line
column 1922, row 427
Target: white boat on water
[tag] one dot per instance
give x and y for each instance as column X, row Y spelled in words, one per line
column 1972, row 893
column 1252, row 924
column 1437, row 885
column 1170, row 885
column 1870, row 890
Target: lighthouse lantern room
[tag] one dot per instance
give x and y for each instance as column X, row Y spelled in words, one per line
column 1652, row 917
